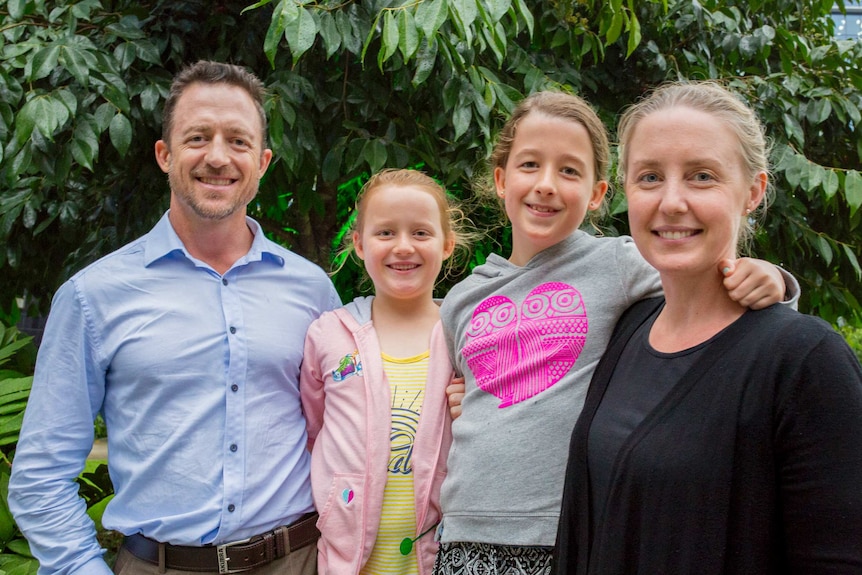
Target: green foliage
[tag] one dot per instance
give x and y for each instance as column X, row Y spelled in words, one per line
column 432, row 80
column 853, row 335
column 358, row 85
column 17, row 358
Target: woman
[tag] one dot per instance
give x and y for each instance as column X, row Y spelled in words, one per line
column 714, row 439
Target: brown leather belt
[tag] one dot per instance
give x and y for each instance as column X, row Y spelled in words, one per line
column 234, row 557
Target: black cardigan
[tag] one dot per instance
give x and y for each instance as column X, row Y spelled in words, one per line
column 751, row 464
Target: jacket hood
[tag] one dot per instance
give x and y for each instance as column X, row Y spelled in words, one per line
column 360, row 309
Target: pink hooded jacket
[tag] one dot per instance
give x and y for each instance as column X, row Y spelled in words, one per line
column 346, row 399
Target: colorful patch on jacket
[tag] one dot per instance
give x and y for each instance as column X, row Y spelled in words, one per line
column 349, row 365
column 519, row 351
column 347, row 495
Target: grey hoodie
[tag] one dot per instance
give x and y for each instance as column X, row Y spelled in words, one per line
column 527, row 340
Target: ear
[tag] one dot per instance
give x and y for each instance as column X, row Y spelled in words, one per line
column 448, row 247
column 757, row 191
column 265, row 159
column 600, row 189
column 163, row 156
column 357, row 245
column 500, row 181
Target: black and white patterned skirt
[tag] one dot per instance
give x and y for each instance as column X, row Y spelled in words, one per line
column 460, row 558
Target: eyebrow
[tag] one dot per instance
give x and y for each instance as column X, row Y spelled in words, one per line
column 700, row 161
column 208, row 128
column 572, row 158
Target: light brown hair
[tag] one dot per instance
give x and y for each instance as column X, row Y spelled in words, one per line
column 209, row 72
column 714, row 99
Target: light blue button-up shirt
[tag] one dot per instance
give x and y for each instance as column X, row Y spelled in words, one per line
column 196, row 374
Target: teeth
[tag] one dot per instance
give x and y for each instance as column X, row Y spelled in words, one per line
column 542, row 209
column 216, row 181
column 403, row 267
column 675, row 235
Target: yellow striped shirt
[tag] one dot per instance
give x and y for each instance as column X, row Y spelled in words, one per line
column 398, row 517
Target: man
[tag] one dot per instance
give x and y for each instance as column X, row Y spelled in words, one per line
column 189, row 341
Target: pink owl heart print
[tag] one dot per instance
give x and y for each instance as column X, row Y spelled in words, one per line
column 516, row 356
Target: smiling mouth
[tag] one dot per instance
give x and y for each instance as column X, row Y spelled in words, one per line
column 676, row 235
column 216, row 181
column 542, row 209
column 403, row 267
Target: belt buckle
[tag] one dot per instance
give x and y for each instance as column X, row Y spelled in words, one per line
column 223, row 559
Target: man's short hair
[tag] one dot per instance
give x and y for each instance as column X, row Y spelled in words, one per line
column 209, row 72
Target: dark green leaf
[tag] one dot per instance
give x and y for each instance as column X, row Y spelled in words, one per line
column 332, row 164
column 103, row 116
column 285, row 11
column 78, row 63
column 854, row 261
column 467, row 11
column 374, row 153
column 634, row 35
column 498, row 8
column 830, row 183
column 300, row 31
column 853, row 190
column 425, row 59
column 120, row 132
column 38, row 112
column 16, row 9
column 148, row 52
column 615, row 28
column 430, row 15
column 85, row 145
column 389, row 38
column 330, row 34
column 408, row 34
column 794, row 129
column 461, row 117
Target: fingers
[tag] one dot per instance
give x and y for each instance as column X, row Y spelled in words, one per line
column 757, row 298
column 455, row 395
column 752, row 283
column 726, row 267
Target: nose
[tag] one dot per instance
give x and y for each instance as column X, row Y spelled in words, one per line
column 404, row 244
column 218, row 154
column 673, row 197
column 546, row 183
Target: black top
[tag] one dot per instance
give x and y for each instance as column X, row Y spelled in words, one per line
column 752, row 463
column 640, row 381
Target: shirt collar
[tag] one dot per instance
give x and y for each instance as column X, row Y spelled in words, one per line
column 163, row 241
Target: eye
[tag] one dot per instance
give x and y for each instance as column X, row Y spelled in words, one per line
column 703, row 177
column 649, row 178
column 529, row 165
column 422, row 234
column 570, row 172
column 239, row 142
column 384, row 233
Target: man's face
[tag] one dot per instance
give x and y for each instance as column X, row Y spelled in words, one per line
column 214, row 158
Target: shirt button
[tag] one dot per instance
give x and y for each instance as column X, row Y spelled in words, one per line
column 224, row 281
column 233, row 447
column 234, row 387
column 231, row 508
column 232, row 329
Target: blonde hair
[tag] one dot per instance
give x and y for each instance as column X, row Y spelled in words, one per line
column 711, row 98
column 453, row 222
column 558, row 105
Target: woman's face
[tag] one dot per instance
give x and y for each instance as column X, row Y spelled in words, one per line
column 688, row 190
